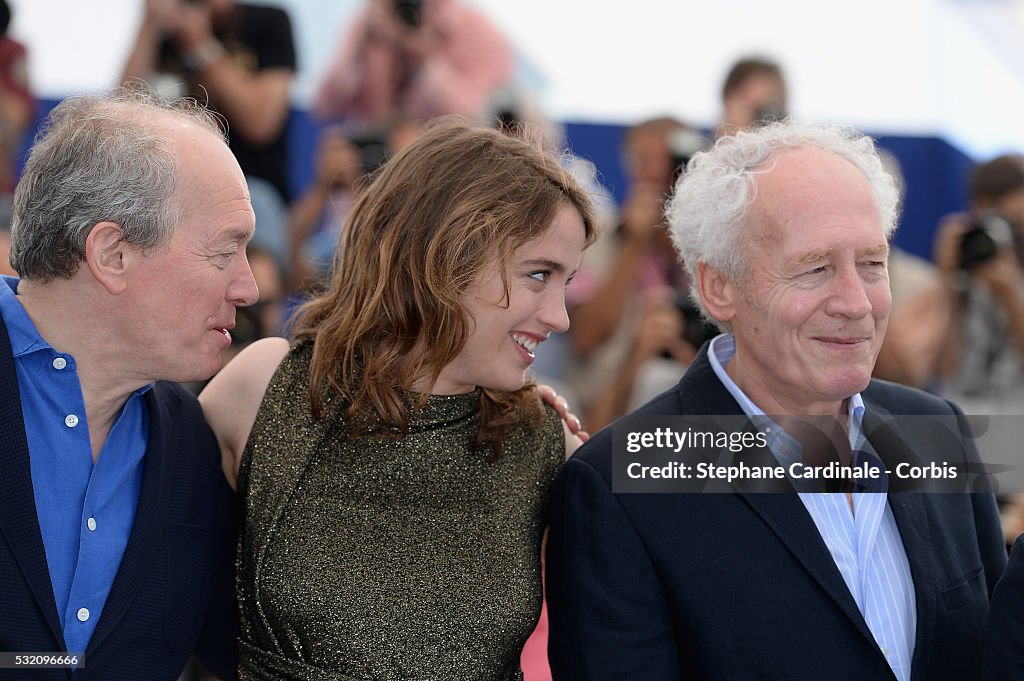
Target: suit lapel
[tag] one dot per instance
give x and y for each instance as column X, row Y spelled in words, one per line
column 701, row 392
column 911, row 516
column 147, row 529
column 912, row 521
column 18, row 520
column 787, row 517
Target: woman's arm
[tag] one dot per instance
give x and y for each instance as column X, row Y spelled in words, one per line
column 232, row 399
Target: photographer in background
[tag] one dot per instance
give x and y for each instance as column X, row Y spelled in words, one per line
column 17, row 106
column 241, row 58
column 919, row 318
column 754, row 93
column 633, row 326
column 417, row 58
column 343, row 158
column 979, row 255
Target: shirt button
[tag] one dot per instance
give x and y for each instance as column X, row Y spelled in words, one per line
column 71, row 420
column 83, row 614
column 59, row 363
column 91, row 523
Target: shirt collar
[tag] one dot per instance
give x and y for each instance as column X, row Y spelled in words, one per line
column 721, row 352
column 24, row 337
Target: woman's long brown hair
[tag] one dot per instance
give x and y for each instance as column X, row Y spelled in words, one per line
column 393, row 316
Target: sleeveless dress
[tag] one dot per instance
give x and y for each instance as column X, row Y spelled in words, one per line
column 375, row 558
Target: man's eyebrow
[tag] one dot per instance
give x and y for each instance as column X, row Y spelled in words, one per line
column 826, row 253
column 814, row 256
column 880, row 249
column 238, row 235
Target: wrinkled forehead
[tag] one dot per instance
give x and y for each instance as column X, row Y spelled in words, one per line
column 803, row 192
column 805, row 177
column 210, row 187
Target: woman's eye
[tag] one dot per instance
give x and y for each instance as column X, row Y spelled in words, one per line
column 541, row 276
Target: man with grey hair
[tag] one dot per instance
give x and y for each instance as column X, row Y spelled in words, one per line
column 116, row 530
column 784, row 231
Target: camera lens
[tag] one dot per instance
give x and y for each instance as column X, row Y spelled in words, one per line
column 983, row 239
column 409, row 12
column 976, row 248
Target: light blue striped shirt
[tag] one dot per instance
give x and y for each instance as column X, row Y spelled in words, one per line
column 865, row 543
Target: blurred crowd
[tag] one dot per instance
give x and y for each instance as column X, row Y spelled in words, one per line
column 957, row 326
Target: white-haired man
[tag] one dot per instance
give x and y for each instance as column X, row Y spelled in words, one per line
column 785, row 233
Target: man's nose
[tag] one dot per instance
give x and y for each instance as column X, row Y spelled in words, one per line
column 243, row 290
column 849, row 297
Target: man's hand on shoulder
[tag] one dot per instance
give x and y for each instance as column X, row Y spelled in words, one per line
column 561, row 406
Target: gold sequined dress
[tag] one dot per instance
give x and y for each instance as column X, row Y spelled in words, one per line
column 388, row 559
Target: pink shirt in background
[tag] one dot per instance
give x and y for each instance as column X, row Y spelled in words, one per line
column 365, row 80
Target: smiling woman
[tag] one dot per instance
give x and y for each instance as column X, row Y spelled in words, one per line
column 395, row 460
column 515, row 306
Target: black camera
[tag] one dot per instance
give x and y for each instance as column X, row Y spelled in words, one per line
column 696, row 329
column 769, row 113
column 409, row 12
column 987, row 234
column 682, row 145
column 373, row 150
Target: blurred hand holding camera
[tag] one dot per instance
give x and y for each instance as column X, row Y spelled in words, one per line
column 194, row 25
column 401, row 22
column 660, row 329
column 1001, row 275
column 414, row 58
column 642, row 213
column 977, row 252
column 162, row 13
column 337, row 161
column 659, row 335
column 946, row 248
column 982, row 248
column 189, row 24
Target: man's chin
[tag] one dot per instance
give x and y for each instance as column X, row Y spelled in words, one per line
column 200, row 373
column 844, row 386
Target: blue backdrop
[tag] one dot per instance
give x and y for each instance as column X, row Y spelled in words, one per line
column 935, row 172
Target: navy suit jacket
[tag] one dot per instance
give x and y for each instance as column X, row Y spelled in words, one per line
column 1004, row 641
column 173, row 594
column 739, row 585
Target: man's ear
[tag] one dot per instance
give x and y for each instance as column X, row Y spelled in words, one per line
column 108, row 256
column 716, row 291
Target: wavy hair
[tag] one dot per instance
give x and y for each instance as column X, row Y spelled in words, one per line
column 455, row 200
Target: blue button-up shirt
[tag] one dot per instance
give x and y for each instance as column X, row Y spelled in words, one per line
column 864, row 543
column 85, row 509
